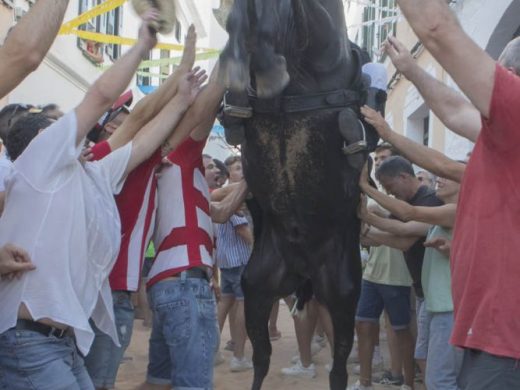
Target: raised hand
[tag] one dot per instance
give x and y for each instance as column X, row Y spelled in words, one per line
column 377, row 121
column 190, row 49
column 147, row 34
column 190, row 85
column 14, row 262
column 399, row 55
column 441, row 244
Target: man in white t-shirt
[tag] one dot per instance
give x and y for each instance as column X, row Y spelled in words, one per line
column 63, row 213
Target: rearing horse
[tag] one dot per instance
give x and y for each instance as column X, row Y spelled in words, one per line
column 290, row 63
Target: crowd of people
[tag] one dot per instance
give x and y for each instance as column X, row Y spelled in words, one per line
column 84, row 193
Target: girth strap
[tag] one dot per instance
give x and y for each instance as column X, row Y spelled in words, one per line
column 300, row 103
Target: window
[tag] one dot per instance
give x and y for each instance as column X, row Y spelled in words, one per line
column 108, row 23
column 379, row 21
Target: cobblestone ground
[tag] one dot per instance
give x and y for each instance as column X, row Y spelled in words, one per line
column 133, row 369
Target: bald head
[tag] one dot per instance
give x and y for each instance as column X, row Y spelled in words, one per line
column 510, row 57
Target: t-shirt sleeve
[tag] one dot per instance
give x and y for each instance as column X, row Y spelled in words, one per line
column 48, row 160
column 502, row 129
column 114, row 165
column 237, row 220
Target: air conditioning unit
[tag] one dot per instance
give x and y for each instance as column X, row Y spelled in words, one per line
column 18, row 13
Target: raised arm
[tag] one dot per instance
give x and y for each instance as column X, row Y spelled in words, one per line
column 223, row 209
column 155, row 132
column 457, row 114
column 427, row 158
column 29, row 41
column 199, row 119
column 439, row 30
column 152, row 104
column 104, row 92
column 376, row 237
column 441, row 215
column 393, row 226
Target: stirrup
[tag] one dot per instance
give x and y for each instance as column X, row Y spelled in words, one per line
column 356, row 147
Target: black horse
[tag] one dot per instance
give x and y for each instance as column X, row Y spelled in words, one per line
column 291, row 68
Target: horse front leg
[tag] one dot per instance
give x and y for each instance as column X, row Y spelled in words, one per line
column 234, row 59
column 269, row 67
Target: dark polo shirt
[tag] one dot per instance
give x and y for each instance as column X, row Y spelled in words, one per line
column 415, row 255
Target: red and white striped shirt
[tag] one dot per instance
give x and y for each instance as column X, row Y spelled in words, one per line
column 137, row 206
column 183, row 231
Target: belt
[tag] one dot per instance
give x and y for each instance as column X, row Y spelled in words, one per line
column 45, row 330
column 194, row 273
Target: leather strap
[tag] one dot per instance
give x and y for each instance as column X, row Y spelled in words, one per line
column 45, row 330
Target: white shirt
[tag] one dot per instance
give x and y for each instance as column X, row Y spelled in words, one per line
column 5, row 168
column 64, row 215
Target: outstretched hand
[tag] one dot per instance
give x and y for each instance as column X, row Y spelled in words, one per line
column 190, row 85
column 190, row 50
column 399, row 55
column 14, row 262
column 147, row 34
column 375, row 119
column 441, row 244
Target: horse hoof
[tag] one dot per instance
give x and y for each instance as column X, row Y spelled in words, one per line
column 235, row 74
column 273, row 81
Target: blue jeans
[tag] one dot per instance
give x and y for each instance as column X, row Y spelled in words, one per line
column 32, row 361
column 376, row 297
column 104, row 358
column 444, row 360
column 184, row 335
column 230, row 281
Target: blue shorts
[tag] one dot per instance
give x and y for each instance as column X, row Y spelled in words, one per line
column 30, row 360
column 377, row 297
column 104, row 358
column 184, row 335
column 230, row 281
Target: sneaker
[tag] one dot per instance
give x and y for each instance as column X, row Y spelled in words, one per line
column 405, row 387
column 238, row 365
column 388, row 379
column 315, row 349
column 230, row 346
column 297, row 369
column 359, row 386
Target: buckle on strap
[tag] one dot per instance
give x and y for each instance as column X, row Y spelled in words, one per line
column 358, row 146
column 237, row 111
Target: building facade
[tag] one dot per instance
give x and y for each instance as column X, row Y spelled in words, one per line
column 490, row 23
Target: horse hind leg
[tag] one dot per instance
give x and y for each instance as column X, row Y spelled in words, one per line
column 270, row 69
column 234, row 59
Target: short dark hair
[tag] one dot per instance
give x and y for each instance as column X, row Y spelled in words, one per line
column 386, row 146
column 8, row 116
column 232, row 159
column 221, row 167
column 23, row 132
column 394, row 166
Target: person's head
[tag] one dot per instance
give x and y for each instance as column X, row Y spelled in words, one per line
column 510, row 57
column 234, row 167
column 52, row 111
column 223, row 174
column 447, row 190
column 211, row 171
column 397, row 177
column 9, row 115
column 382, row 152
column 23, row 131
column 113, row 122
column 426, row 178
